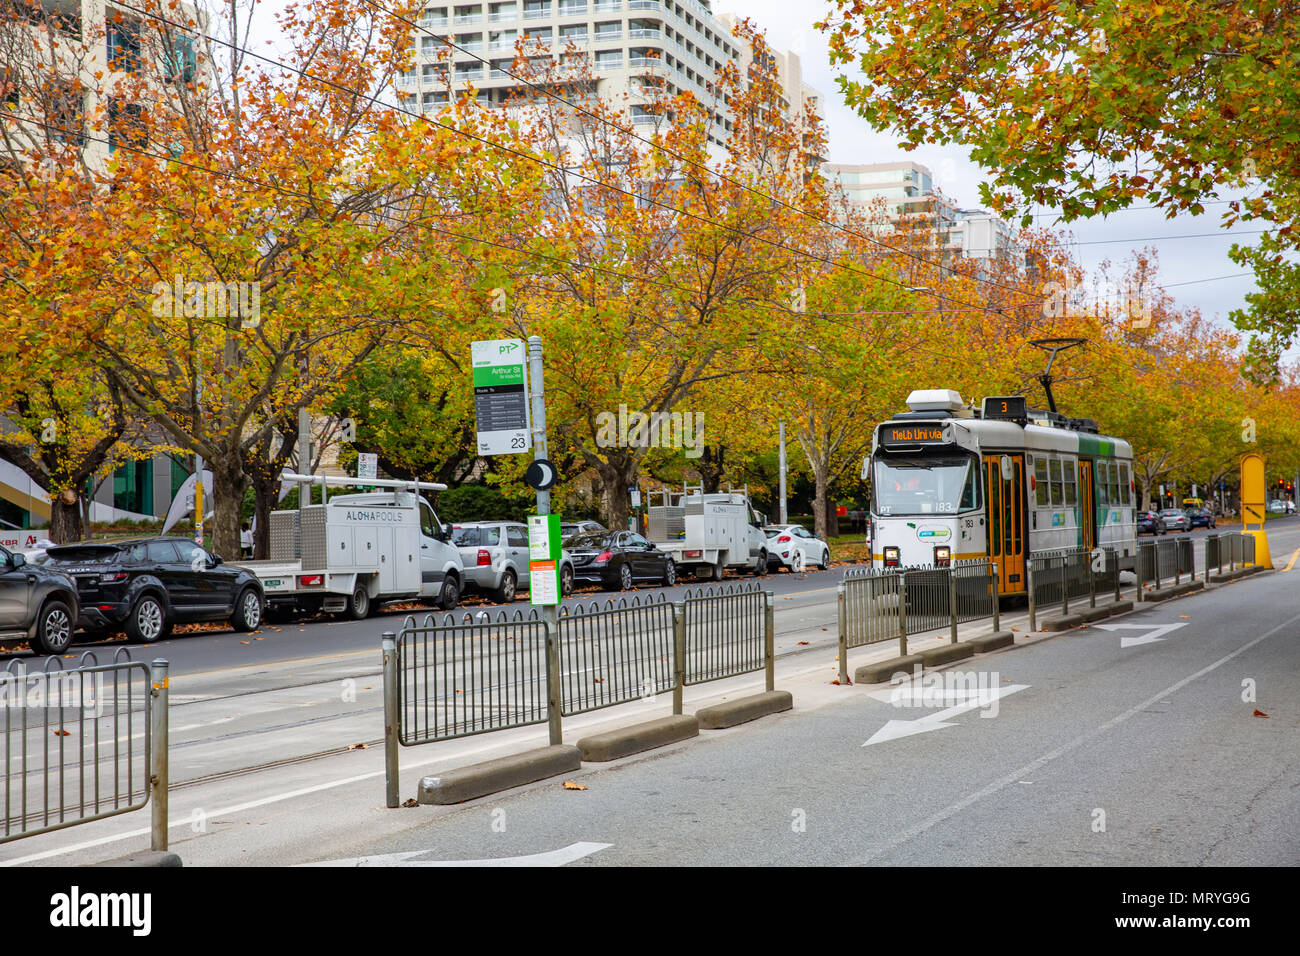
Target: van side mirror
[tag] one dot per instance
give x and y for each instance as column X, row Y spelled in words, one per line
column 16, row 561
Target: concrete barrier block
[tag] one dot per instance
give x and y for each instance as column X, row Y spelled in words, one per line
column 881, row 671
column 934, row 656
column 991, row 642
column 630, row 740
column 1062, row 623
column 493, row 776
column 1094, row 614
column 1119, row 607
column 732, row 712
column 1234, row 574
column 146, row 858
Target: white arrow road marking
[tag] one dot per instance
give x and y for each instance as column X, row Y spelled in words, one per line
column 1157, row 632
column 574, row 851
column 906, row 728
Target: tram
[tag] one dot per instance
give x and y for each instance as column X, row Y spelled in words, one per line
column 1003, row 482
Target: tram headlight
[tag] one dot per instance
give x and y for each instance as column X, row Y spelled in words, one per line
column 942, row 556
column 891, row 556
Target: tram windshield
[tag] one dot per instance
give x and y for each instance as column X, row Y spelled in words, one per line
column 925, row 485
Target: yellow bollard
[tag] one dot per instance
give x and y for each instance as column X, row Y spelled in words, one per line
column 1262, row 557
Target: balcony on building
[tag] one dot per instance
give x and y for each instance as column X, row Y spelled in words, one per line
column 536, row 9
column 499, row 12
column 468, row 15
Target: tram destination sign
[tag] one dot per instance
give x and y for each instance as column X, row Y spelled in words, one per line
column 501, row 396
column 891, row 435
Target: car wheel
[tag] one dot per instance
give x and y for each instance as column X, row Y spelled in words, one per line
column 53, row 628
column 625, row 577
column 826, row 559
column 566, row 580
column 796, row 561
column 715, row 573
column 450, row 595
column 248, row 611
column 505, row 593
column 670, row 573
column 358, row 608
column 760, row 566
column 147, row 621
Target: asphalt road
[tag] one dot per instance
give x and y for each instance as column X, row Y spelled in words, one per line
column 1151, row 753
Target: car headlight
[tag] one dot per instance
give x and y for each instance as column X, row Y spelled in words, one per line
column 891, row 556
column 942, row 556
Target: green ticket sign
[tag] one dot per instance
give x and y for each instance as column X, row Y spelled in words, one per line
column 544, row 554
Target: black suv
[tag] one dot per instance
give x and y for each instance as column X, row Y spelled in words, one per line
column 145, row 586
column 37, row 603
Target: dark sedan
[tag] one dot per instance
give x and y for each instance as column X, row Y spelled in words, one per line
column 1200, row 518
column 1150, row 522
column 145, row 586
column 618, row 559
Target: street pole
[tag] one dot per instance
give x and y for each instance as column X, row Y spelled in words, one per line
column 784, row 516
column 198, row 470
column 550, row 612
column 304, row 456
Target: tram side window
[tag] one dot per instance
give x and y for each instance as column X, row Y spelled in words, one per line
column 1054, row 469
column 1042, row 496
column 1116, row 496
column 1070, row 480
column 1125, row 489
column 1102, row 472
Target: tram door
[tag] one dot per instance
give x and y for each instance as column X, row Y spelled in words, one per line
column 1087, row 505
column 1006, row 530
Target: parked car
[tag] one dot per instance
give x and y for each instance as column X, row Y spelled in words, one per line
column 37, row 603
column 619, row 559
column 1176, row 519
column 795, row 548
column 1276, row 507
column 146, row 586
column 1200, row 518
column 569, row 528
column 495, row 555
column 1150, row 522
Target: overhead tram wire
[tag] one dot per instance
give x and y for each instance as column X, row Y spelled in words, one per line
column 373, row 99
column 634, row 135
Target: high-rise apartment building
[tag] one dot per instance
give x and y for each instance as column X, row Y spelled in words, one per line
column 634, row 50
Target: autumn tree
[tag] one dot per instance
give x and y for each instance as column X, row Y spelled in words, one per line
column 1090, row 107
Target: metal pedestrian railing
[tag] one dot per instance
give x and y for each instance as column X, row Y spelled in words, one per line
column 468, row 674
column 474, row 673
column 880, row 605
column 83, row 743
column 1164, row 562
column 1228, row 550
column 1072, row 575
column 617, row 654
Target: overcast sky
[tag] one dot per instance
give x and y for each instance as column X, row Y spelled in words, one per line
column 852, row 140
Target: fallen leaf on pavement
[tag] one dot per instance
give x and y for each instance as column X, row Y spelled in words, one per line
column 359, row 747
column 411, row 803
column 570, row 785
column 802, row 643
column 64, row 733
column 836, row 682
column 245, row 642
column 1259, row 713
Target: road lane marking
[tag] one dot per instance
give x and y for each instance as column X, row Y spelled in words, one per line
column 1028, row 769
column 895, row 729
column 1291, row 564
column 560, row 857
column 1157, row 632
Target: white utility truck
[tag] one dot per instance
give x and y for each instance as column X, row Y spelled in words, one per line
column 358, row 551
column 705, row 533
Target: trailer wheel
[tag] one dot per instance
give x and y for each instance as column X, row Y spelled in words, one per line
column 716, row 574
column 359, row 603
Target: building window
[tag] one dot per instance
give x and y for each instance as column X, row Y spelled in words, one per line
column 133, row 487
column 124, row 46
column 126, row 126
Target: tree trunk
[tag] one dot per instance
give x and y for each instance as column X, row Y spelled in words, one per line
column 228, row 482
column 617, row 474
column 710, row 466
column 821, row 498
column 65, row 521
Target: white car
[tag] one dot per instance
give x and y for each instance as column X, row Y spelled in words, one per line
column 1277, row 507
column 796, row 549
